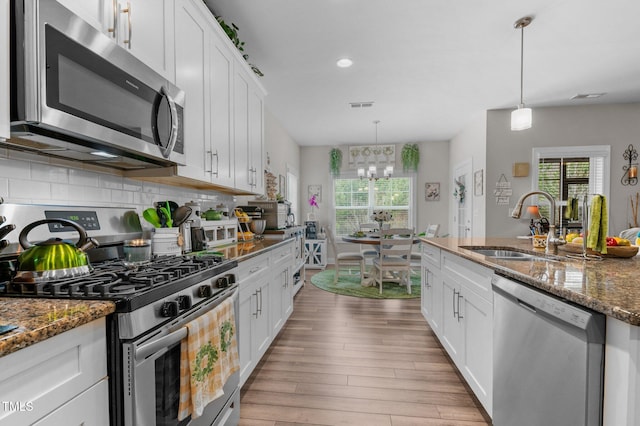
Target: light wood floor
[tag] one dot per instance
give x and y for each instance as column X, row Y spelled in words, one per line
column 351, row 361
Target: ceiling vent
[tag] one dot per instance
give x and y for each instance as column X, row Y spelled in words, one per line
column 361, row 104
column 587, row 96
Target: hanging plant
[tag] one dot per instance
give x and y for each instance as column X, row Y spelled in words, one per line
column 410, row 155
column 335, row 161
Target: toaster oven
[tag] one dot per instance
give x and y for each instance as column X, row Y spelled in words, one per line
column 274, row 213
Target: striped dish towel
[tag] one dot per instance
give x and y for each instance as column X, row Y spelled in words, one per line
column 208, row 357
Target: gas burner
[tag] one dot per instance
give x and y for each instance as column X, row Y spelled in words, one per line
column 111, row 279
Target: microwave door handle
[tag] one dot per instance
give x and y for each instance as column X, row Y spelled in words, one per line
column 173, row 137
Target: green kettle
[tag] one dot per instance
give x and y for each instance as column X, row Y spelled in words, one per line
column 54, row 258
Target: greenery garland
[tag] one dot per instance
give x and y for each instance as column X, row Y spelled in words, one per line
column 460, row 191
column 226, row 333
column 410, row 155
column 232, row 33
column 209, row 354
column 335, row 161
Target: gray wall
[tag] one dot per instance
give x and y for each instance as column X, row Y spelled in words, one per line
column 614, row 125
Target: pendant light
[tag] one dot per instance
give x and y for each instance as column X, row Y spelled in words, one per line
column 521, row 117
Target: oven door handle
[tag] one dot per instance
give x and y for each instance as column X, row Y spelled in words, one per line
column 141, row 352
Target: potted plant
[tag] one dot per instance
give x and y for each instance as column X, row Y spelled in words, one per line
column 232, row 33
column 410, row 155
column 335, row 161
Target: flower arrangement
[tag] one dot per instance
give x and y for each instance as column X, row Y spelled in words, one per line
column 313, row 202
column 381, row 216
column 460, row 191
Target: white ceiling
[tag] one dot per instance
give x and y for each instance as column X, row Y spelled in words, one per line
column 430, row 66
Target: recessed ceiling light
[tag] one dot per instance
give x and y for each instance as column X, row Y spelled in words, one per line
column 587, row 95
column 344, row 63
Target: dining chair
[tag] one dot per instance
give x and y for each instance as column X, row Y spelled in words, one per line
column 367, row 251
column 345, row 259
column 394, row 263
column 432, row 231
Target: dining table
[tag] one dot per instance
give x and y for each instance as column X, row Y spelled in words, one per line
column 371, row 239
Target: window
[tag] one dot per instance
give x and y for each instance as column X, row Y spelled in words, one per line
column 356, row 199
column 571, row 172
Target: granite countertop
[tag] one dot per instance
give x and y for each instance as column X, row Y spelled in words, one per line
column 39, row 319
column 244, row 250
column 610, row 286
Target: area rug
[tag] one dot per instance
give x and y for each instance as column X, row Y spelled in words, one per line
column 349, row 285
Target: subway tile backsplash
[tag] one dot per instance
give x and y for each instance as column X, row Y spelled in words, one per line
column 31, row 179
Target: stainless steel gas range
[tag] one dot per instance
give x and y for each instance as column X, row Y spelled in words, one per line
column 154, row 302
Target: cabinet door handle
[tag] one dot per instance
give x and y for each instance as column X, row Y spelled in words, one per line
column 454, row 299
column 217, row 172
column 426, row 279
column 211, row 155
column 460, row 296
column 260, row 309
column 128, row 12
column 256, row 295
column 114, row 30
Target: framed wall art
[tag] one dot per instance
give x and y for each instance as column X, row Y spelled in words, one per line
column 478, row 184
column 315, row 190
column 432, row 191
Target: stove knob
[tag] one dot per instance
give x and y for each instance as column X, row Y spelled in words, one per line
column 169, row 309
column 184, row 302
column 204, row 291
column 222, row 282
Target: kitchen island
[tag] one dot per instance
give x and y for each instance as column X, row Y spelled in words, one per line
column 609, row 286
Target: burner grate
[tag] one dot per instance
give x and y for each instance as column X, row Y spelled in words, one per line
column 111, row 279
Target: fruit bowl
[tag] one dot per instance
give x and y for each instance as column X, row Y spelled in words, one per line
column 613, row 251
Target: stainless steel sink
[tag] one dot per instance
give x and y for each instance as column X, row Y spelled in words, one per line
column 507, row 254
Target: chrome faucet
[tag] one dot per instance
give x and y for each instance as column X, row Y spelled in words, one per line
column 552, row 241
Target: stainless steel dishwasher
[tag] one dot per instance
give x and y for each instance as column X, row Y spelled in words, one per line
column 548, row 358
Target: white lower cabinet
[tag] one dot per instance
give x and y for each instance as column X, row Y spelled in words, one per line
column 315, row 251
column 467, row 323
column 254, row 322
column 457, row 302
column 282, row 282
column 61, row 380
column 431, row 294
column 266, row 302
column 81, row 410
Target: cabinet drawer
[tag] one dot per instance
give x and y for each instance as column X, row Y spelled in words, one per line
column 282, row 254
column 431, row 254
column 250, row 269
column 475, row 277
column 52, row 372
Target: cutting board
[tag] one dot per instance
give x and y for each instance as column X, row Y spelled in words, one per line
column 615, row 251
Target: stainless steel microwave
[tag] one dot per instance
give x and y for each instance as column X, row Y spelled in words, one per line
column 76, row 94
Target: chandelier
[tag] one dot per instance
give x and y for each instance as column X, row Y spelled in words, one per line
column 372, row 171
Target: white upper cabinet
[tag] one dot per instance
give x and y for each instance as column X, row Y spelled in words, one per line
column 4, row 69
column 249, row 132
column 144, row 27
column 192, row 75
column 221, row 153
column 204, row 70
